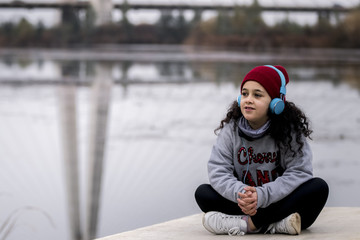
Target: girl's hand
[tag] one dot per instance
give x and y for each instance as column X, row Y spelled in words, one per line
column 248, row 201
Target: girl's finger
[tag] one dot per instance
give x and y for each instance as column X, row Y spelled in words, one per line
column 250, row 189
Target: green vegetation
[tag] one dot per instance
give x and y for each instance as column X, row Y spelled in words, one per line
column 242, row 27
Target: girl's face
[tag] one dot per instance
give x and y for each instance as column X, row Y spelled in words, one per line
column 254, row 104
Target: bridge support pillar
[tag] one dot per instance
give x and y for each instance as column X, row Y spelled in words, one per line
column 69, row 15
column 323, row 15
column 103, row 11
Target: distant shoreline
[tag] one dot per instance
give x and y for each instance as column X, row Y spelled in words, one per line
column 186, row 53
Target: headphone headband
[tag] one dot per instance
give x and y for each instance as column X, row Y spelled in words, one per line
column 277, row 105
column 282, row 78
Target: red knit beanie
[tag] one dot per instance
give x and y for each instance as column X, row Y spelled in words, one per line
column 268, row 78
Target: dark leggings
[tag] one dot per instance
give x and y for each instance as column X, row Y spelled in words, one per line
column 308, row 200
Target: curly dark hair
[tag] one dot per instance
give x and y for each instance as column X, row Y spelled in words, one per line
column 282, row 125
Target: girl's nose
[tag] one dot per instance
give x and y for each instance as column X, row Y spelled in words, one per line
column 249, row 99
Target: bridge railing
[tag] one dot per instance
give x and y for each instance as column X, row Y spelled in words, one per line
column 185, row 6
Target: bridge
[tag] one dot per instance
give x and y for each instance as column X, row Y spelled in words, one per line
column 181, row 6
column 103, row 8
column 171, row 6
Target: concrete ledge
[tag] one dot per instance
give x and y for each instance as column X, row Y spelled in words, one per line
column 333, row 223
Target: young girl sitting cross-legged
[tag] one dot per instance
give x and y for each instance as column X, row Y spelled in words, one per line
column 260, row 168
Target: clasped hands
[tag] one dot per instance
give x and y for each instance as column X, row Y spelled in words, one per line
column 247, row 201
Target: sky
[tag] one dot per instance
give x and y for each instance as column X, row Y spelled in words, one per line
column 52, row 17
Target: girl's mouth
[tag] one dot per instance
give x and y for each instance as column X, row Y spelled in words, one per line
column 249, row 108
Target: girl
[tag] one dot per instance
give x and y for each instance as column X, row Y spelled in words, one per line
column 260, row 168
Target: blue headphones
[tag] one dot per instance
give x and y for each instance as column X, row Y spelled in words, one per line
column 277, row 105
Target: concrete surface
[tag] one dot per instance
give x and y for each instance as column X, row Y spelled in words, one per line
column 333, row 223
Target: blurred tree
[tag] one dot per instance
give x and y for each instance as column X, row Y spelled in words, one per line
column 288, row 27
column 70, row 16
column 242, row 27
column 253, row 20
column 181, row 27
column 40, row 35
column 195, row 34
column 40, row 29
column 244, row 21
column 323, row 25
column 60, row 35
column 88, row 25
column 351, row 28
column 24, row 33
column 238, row 21
column 223, row 23
column 7, row 33
column 197, row 18
column 321, row 34
column 165, row 26
column 71, row 26
column 145, row 34
column 287, row 34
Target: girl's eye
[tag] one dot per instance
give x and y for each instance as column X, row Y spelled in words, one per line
column 244, row 94
column 258, row 95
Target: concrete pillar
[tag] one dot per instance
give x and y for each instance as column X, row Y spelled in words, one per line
column 101, row 92
column 103, row 10
column 69, row 15
column 324, row 15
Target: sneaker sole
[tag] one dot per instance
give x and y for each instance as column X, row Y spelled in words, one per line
column 295, row 221
column 205, row 226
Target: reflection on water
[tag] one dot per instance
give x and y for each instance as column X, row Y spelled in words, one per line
column 143, row 68
column 104, row 147
column 68, row 124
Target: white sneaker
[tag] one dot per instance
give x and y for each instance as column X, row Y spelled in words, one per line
column 289, row 225
column 220, row 223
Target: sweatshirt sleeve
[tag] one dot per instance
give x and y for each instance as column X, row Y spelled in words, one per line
column 297, row 170
column 221, row 166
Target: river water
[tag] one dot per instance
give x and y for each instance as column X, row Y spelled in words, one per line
column 148, row 112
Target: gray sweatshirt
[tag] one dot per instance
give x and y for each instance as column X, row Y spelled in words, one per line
column 237, row 162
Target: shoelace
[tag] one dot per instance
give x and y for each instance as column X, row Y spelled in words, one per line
column 235, row 231
column 231, row 221
column 270, row 229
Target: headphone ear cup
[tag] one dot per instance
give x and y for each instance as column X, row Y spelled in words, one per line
column 239, row 100
column 277, row 106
